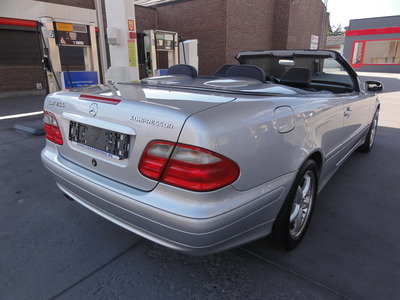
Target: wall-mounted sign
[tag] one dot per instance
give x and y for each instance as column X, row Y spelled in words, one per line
column 78, row 78
column 132, row 35
column 72, row 34
column 131, row 25
column 132, row 53
column 314, row 42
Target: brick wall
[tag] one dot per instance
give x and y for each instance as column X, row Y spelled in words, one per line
column 280, row 24
column 305, row 19
column 146, row 18
column 20, row 78
column 249, row 26
column 204, row 20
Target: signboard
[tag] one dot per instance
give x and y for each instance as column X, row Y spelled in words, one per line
column 132, row 53
column 78, row 78
column 131, row 25
column 72, row 34
column 314, row 42
column 132, row 49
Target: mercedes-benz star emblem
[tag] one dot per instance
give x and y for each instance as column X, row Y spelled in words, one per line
column 93, row 109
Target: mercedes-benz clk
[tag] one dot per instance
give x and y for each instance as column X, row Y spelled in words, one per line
column 202, row 164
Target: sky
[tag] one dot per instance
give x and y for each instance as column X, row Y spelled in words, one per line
column 342, row 11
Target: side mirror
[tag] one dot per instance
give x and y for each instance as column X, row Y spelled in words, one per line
column 373, row 86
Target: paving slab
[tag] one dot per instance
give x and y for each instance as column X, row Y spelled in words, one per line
column 34, row 127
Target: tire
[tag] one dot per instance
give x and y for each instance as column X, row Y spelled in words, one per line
column 370, row 139
column 294, row 217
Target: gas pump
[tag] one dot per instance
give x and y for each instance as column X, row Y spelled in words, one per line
column 59, row 34
column 157, row 43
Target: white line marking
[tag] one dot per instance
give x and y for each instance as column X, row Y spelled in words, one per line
column 21, row 115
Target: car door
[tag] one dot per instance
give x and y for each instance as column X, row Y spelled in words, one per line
column 356, row 104
column 329, row 129
column 355, row 117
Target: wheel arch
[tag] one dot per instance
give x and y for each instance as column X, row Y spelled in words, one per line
column 318, row 158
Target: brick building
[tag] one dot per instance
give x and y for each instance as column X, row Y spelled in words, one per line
column 222, row 28
column 226, row 27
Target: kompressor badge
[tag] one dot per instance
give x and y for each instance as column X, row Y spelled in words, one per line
column 152, row 122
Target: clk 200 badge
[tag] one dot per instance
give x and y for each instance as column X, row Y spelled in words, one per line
column 56, row 103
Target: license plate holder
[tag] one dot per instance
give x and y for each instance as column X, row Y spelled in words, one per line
column 107, row 142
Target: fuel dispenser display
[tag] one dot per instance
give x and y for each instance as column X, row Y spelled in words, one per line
column 72, row 34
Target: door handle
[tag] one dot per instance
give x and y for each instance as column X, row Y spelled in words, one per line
column 347, row 112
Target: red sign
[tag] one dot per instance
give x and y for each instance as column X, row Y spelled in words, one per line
column 132, row 35
column 131, row 25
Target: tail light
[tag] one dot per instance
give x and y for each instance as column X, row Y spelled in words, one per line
column 51, row 128
column 187, row 167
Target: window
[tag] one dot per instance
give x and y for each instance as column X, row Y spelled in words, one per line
column 357, row 51
column 331, row 76
column 382, row 52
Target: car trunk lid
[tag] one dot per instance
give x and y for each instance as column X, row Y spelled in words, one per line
column 106, row 128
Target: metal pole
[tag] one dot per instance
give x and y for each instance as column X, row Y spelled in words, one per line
column 102, row 42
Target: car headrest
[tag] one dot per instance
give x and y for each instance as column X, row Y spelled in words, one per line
column 182, row 69
column 246, row 71
column 296, row 77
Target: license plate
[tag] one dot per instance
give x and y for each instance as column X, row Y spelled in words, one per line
column 103, row 141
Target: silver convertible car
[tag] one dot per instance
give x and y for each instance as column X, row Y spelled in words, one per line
column 202, row 164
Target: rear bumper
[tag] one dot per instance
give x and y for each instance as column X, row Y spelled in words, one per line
column 188, row 222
